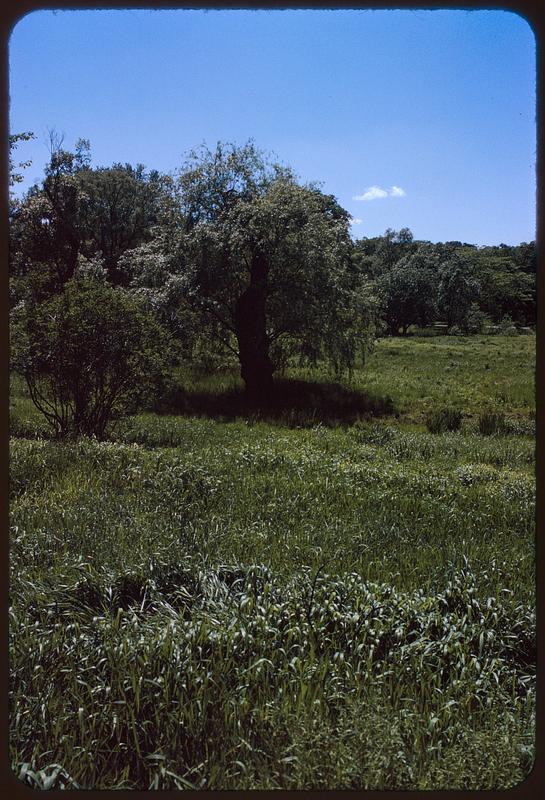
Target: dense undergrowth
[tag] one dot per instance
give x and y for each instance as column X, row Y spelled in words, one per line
column 248, row 604
column 227, row 678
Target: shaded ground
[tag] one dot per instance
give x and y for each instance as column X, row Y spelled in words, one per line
column 292, row 402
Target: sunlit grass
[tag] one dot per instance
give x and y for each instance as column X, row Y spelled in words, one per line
column 472, row 373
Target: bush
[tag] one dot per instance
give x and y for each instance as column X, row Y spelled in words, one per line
column 507, row 326
column 491, row 422
column 476, row 320
column 88, row 355
column 444, row 419
column 427, row 333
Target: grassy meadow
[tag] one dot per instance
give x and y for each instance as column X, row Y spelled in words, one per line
column 324, row 596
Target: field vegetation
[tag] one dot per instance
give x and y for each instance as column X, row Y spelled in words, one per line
column 242, row 600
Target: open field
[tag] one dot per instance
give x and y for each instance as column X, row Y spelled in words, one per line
column 473, row 373
column 410, row 376
column 217, row 603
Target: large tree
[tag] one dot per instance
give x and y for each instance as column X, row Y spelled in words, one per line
column 267, row 263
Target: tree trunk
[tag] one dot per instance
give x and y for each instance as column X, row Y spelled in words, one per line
column 255, row 365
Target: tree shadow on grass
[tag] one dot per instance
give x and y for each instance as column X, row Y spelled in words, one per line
column 295, row 403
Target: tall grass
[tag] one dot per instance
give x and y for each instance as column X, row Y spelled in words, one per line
column 279, row 603
column 229, row 679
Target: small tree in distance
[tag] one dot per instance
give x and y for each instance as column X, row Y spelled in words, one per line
column 458, row 290
column 407, row 292
column 88, row 355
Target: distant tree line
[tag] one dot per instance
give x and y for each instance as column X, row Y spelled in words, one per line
column 230, row 258
column 467, row 288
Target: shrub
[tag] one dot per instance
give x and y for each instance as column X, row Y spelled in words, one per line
column 88, row 355
column 444, row 419
column 427, row 333
column 507, row 326
column 491, row 422
column 476, row 320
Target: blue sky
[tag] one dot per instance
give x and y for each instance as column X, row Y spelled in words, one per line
column 428, row 117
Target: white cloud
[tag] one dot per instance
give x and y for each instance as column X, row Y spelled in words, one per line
column 376, row 192
column 371, row 194
column 355, row 221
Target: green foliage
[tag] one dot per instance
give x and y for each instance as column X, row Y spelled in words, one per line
column 507, row 328
column 235, row 605
column 508, row 288
column 408, row 376
column 123, row 205
column 291, row 402
column 472, row 373
column 444, row 419
column 277, row 601
column 476, row 320
column 377, row 255
column 79, row 212
column 408, row 292
column 267, row 262
column 299, row 647
column 457, row 291
column 14, row 139
column 467, row 286
column 88, row 355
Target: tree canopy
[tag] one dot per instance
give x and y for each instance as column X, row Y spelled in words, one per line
column 240, row 260
column 266, row 263
column 78, row 211
column 14, row 175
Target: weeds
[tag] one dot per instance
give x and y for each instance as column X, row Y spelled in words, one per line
column 491, row 422
column 444, row 419
column 227, row 688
